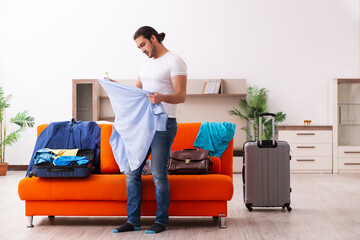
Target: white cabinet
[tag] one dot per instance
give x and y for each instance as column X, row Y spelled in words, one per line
column 349, row 158
column 345, row 117
column 310, row 147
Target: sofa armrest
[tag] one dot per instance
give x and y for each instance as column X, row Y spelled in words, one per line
column 227, row 160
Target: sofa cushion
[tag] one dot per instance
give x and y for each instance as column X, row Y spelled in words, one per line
column 107, row 160
column 113, row 187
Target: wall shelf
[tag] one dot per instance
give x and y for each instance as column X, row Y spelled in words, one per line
column 217, row 95
column 203, row 95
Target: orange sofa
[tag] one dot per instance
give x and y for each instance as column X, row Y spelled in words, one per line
column 105, row 194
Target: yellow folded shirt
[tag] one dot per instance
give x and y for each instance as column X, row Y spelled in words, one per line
column 64, row 152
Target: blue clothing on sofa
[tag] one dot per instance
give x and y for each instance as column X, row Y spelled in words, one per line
column 215, row 137
column 69, row 135
column 136, row 121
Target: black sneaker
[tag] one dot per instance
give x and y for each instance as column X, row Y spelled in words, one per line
column 156, row 228
column 126, row 227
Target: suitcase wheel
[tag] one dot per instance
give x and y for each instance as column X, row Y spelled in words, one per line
column 287, row 206
column 249, row 206
column 31, row 173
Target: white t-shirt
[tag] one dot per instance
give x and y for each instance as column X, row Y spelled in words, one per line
column 156, row 74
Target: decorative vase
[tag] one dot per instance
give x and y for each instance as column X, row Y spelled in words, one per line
column 3, row 168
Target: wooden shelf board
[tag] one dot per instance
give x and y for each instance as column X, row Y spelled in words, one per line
column 217, row 95
column 348, row 80
column 243, row 95
column 107, row 118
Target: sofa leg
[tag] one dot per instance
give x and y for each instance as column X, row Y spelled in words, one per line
column 222, row 221
column 30, row 221
column 51, row 219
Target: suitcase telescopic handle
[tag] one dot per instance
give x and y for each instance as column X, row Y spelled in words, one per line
column 267, row 114
column 272, row 115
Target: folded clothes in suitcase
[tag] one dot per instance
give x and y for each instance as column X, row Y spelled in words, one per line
column 67, row 166
column 266, row 172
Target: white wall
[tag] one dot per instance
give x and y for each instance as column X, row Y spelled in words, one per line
column 291, row 47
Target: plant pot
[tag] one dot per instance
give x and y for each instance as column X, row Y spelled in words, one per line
column 3, row 168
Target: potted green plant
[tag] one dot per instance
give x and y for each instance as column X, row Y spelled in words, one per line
column 22, row 120
column 249, row 109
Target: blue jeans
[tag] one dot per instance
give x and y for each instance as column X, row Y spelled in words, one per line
column 160, row 151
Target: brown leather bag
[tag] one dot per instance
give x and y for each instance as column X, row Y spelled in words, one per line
column 189, row 161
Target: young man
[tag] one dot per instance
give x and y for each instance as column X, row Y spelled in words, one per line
column 165, row 75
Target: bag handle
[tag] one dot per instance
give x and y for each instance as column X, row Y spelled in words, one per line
column 267, row 114
column 272, row 115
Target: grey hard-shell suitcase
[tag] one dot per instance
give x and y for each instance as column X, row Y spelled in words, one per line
column 266, row 172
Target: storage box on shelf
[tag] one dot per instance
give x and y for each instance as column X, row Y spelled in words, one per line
column 345, row 114
column 310, row 147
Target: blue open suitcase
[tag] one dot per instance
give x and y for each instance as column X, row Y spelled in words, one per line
column 48, row 170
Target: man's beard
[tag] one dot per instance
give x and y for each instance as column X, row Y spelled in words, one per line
column 152, row 50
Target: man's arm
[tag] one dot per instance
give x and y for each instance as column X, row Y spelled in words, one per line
column 138, row 83
column 179, row 95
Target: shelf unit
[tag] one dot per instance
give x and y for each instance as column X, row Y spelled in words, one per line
column 85, row 99
column 345, row 116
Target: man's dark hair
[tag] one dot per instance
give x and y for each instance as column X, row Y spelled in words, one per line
column 147, row 32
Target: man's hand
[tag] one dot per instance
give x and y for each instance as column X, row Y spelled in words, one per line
column 110, row 79
column 155, row 98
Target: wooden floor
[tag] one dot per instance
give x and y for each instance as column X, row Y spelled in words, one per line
column 325, row 206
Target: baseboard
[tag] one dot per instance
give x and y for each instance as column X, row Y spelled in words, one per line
column 238, row 153
column 17, row 167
